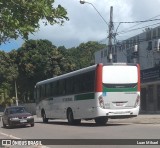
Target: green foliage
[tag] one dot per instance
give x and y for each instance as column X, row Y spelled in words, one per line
column 5, row 99
column 83, row 55
column 21, row 17
column 38, row 60
column 8, row 73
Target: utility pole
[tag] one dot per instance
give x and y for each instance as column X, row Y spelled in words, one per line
column 16, row 93
column 110, row 36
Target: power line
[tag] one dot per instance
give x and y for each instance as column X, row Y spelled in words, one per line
column 122, row 32
column 139, row 21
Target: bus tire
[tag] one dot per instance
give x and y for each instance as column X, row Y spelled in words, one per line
column 70, row 117
column 101, row 120
column 77, row 121
column 45, row 120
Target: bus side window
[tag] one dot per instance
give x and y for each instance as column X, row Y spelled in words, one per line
column 51, row 91
column 61, row 87
column 40, row 92
column 55, row 88
column 48, row 90
column 84, row 79
column 69, row 86
column 43, row 91
column 76, row 84
column 91, row 81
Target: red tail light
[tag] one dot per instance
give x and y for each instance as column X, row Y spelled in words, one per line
column 137, row 103
column 101, row 102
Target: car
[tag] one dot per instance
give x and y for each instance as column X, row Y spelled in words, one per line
column 16, row 116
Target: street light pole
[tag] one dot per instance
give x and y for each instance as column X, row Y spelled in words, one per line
column 111, row 27
column 83, row 2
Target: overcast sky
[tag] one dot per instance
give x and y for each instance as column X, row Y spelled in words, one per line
column 86, row 25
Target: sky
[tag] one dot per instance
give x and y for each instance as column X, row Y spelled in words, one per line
column 85, row 24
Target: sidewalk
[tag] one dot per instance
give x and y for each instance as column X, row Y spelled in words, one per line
column 140, row 119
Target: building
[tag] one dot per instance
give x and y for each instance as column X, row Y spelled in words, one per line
column 144, row 49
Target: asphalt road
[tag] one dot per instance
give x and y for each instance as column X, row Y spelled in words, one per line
column 142, row 127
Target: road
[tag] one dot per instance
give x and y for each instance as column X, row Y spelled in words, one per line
column 59, row 129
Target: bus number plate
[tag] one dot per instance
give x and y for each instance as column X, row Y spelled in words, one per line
column 119, row 104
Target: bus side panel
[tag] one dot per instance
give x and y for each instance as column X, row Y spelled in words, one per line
column 84, row 105
column 89, row 109
column 38, row 111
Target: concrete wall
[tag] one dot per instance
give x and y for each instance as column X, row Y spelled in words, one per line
column 152, row 98
column 101, row 56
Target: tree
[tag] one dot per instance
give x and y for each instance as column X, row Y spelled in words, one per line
column 8, row 75
column 38, row 60
column 83, row 55
column 21, row 17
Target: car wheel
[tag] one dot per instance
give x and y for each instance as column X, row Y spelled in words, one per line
column 32, row 124
column 4, row 125
column 10, row 125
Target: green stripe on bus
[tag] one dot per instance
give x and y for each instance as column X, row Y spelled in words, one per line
column 86, row 96
column 119, row 89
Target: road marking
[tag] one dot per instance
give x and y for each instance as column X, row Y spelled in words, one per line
column 13, row 137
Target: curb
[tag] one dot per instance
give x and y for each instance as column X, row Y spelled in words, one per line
column 141, row 119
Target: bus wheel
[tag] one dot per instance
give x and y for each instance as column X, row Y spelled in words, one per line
column 101, row 120
column 45, row 120
column 70, row 117
column 77, row 121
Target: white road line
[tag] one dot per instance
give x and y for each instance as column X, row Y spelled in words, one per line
column 11, row 136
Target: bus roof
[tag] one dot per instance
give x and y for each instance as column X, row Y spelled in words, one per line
column 80, row 71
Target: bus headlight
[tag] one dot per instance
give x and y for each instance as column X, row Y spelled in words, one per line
column 137, row 103
column 101, row 102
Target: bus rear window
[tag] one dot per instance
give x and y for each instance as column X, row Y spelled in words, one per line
column 119, row 75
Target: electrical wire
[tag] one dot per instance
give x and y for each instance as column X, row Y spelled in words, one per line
column 144, row 21
column 141, row 23
column 122, row 32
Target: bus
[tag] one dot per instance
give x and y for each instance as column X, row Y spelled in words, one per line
column 97, row 92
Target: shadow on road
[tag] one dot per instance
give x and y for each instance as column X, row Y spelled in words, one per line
column 16, row 127
column 83, row 124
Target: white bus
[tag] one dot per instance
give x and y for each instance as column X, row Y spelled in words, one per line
column 97, row 92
